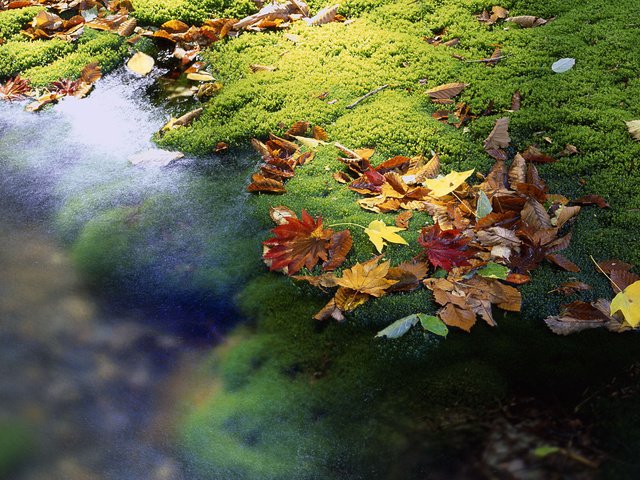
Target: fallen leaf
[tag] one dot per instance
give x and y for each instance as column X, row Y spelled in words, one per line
column 494, row 270
column 141, row 63
column 15, row 89
column 569, row 288
column 527, row 21
column 457, row 317
column 627, row 302
column 326, row 15
column 378, row 232
column 533, row 154
column 591, row 200
column 445, row 249
column 402, row 220
column 634, row 128
column 483, row 206
column 562, row 262
column 563, row 65
column 298, row 243
column 433, row 324
column 516, row 99
column 367, row 278
column 200, row 77
column 260, row 183
column 444, row 185
column 499, row 136
column 310, row 142
column 535, row 215
column 255, row 67
column 280, row 214
column 446, row 91
column 399, row 327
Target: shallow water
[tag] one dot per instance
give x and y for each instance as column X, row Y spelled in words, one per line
column 93, row 382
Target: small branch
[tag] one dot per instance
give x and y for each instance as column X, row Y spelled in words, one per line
column 486, row 60
column 465, row 205
column 364, row 97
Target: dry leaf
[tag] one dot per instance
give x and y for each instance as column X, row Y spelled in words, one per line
column 141, row 63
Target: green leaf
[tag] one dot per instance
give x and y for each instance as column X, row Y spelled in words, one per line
column 494, row 270
column 399, row 327
column 483, row 207
column 433, row 324
column 545, row 450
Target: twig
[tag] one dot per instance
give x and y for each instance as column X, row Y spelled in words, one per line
column 486, row 60
column 465, row 205
column 364, row 97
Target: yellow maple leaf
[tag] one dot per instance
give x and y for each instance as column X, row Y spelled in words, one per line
column 442, row 186
column 378, row 232
column 367, row 278
column 628, row 303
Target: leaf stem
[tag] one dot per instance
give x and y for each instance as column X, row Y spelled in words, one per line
column 346, row 223
column 604, row 273
column 464, row 205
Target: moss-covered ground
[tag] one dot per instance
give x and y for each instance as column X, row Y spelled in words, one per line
column 295, row 399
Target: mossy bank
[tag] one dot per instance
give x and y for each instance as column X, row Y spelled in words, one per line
column 291, row 398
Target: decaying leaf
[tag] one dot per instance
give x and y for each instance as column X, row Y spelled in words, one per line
column 446, row 91
column 326, row 15
column 527, row 21
column 563, row 65
column 141, row 63
column 15, row 89
column 499, row 137
column 634, row 128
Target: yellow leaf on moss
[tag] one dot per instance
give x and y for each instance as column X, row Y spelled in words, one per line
column 141, row 63
column 444, row 185
column 627, row 302
column 378, row 232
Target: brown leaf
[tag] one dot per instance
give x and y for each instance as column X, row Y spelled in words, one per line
column 91, row 73
column 621, row 279
column 533, row 154
column 398, row 164
column 558, row 244
column 498, row 236
column 591, row 200
column 446, row 91
column 325, row 280
column 530, row 190
column 330, row 310
column 535, row 215
column 568, row 151
column 569, row 288
column 499, row 136
column 260, row 183
column 562, row 262
column 609, row 266
column 516, row 99
column 457, row 317
column 298, row 129
column 339, row 246
column 127, row 28
column 319, row 133
column 534, row 178
column 402, row 220
column 342, row 177
column 256, row 67
column 565, row 214
column 517, row 171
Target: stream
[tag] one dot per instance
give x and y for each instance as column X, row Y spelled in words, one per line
column 92, row 381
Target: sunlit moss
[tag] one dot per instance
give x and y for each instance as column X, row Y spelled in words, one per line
column 156, row 12
column 105, row 48
column 18, row 56
column 12, row 21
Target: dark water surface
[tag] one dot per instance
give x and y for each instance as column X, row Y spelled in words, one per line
column 87, row 391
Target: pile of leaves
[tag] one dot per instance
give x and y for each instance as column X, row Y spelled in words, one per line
column 67, row 21
column 20, row 89
column 486, row 239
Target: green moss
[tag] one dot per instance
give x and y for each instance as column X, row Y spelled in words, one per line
column 106, row 48
column 156, row 12
column 343, row 387
column 18, row 56
column 12, row 21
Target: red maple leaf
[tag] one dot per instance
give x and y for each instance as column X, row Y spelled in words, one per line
column 445, row 248
column 303, row 242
